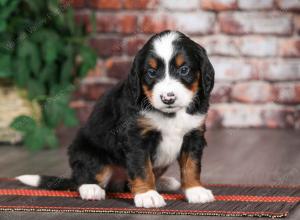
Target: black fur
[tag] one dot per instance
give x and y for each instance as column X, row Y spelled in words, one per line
column 111, row 134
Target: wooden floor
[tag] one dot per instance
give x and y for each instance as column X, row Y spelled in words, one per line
column 242, row 156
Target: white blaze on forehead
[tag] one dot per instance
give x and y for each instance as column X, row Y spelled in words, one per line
column 163, row 46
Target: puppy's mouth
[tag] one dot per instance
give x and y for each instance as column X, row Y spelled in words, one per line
column 170, row 109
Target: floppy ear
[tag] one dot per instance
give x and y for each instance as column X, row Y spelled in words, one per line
column 134, row 83
column 207, row 72
column 208, row 75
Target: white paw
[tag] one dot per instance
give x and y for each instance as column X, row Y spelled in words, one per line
column 166, row 183
column 199, row 195
column 91, row 192
column 150, row 199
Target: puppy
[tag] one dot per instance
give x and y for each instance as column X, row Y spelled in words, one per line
column 154, row 117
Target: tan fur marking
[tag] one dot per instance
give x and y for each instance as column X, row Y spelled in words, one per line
column 147, row 92
column 189, row 171
column 194, row 86
column 142, row 185
column 152, row 63
column 179, row 60
column 104, row 175
column 145, row 125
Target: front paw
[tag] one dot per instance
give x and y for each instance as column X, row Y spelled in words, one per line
column 199, row 194
column 91, row 192
column 149, row 199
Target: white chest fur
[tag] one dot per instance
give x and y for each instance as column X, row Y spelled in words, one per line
column 172, row 130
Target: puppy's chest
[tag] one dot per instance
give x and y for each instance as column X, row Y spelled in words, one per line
column 172, row 131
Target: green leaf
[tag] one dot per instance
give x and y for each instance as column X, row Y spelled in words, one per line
column 53, row 113
column 5, row 66
column 2, row 25
column 9, row 8
column 28, row 49
column 35, row 140
column 70, row 117
column 89, row 59
column 70, row 20
column 3, row 2
column 23, row 123
column 22, row 72
column 66, row 72
column 35, row 89
column 51, row 139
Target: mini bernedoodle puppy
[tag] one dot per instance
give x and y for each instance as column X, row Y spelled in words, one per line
column 154, row 117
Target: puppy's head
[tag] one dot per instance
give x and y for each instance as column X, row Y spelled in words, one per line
column 171, row 70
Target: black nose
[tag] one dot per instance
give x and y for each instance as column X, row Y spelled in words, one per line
column 169, row 99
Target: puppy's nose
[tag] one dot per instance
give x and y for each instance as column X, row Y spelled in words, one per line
column 168, row 99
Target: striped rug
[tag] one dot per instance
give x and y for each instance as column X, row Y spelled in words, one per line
column 231, row 200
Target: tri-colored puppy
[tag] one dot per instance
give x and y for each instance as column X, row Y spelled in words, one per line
column 145, row 123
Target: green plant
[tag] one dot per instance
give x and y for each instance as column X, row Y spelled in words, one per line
column 43, row 51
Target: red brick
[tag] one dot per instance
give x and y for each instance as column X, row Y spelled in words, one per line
column 258, row 46
column 106, row 4
column 82, row 18
column 281, row 70
column 140, row 4
column 278, row 117
column 191, row 23
column 287, row 93
column 156, row 23
column 253, row 92
column 182, row 5
column 93, row 90
column 107, row 46
column 122, row 23
column 255, row 23
column 220, row 45
column 97, row 72
column 290, row 47
column 214, row 119
column 239, row 115
column 255, row 4
column 133, row 44
column 83, row 109
column 288, row 4
column 219, row 5
column 128, row 24
column 118, row 68
column 230, row 69
column 195, row 22
column 297, row 118
column 246, row 115
column 221, row 92
column 297, row 24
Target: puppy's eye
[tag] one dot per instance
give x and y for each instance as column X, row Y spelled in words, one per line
column 151, row 73
column 184, row 70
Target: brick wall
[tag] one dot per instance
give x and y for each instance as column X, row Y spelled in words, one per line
column 254, row 46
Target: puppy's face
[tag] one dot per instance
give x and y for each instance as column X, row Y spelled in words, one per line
column 170, row 71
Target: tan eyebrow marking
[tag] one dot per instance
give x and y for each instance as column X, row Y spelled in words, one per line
column 153, row 63
column 179, row 60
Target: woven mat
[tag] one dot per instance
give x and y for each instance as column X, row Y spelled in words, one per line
column 231, row 200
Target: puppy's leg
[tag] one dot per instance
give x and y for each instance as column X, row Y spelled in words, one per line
column 190, row 167
column 142, row 182
column 88, row 181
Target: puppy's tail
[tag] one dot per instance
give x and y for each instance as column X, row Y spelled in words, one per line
column 48, row 182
